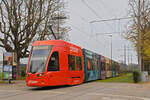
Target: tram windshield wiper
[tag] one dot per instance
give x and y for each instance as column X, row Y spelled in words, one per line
column 33, row 72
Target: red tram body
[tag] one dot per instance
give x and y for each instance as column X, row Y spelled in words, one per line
column 56, row 62
column 55, row 58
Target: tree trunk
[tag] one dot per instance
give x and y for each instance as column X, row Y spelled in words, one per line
column 17, row 68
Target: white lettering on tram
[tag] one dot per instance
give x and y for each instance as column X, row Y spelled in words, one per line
column 73, row 49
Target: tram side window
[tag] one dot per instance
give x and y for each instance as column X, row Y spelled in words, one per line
column 53, row 64
column 97, row 65
column 103, row 66
column 71, row 62
column 93, row 64
column 108, row 67
column 89, row 64
column 78, row 62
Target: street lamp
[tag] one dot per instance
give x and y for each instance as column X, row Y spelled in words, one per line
column 111, row 46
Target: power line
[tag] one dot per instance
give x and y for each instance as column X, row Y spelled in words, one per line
column 109, row 33
column 80, row 30
column 83, row 32
column 81, row 17
column 105, row 20
column 93, row 11
column 97, row 40
column 101, row 2
column 98, row 20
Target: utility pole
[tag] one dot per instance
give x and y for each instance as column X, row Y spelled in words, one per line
column 125, row 54
column 128, row 55
column 58, row 18
column 111, row 48
column 131, row 59
column 139, row 36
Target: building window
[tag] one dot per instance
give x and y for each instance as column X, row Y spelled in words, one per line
column 54, row 62
column 71, row 62
column 78, row 62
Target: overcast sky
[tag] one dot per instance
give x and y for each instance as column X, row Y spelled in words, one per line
column 92, row 35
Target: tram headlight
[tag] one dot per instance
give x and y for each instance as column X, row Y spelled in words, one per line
column 40, row 74
column 27, row 75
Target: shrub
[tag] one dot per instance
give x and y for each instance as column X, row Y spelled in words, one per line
column 136, row 76
column 23, row 73
column 122, row 72
column 1, row 76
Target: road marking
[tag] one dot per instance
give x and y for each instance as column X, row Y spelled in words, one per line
column 121, row 96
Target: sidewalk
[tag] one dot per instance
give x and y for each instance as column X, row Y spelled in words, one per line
column 3, row 81
column 14, row 83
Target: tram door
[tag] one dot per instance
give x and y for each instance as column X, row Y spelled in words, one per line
column 55, row 68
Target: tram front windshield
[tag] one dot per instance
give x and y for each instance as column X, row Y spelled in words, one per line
column 38, row 58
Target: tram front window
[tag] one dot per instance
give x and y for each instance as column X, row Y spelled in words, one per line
column 38, row 58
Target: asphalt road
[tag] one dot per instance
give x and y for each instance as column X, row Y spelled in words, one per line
column 86, row 91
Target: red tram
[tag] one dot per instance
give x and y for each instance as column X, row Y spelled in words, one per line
column 54, row 62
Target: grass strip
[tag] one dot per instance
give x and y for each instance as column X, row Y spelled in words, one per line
column 126, row 78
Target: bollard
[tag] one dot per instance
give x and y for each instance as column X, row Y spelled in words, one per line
column 9, row 80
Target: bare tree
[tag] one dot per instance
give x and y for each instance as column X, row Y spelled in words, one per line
column 22, row 21
column 144, row 18
column 144, row 25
